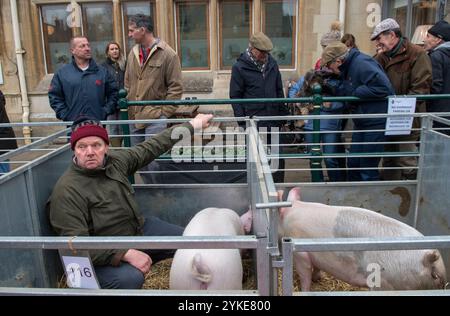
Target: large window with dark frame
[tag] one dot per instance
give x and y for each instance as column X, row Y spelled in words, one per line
column 412, row 14
column 131, row 8
column 98, row 27
column 59, row 22
column 57, row 31
column 279, row 24
column 192, row 32
column 235, row 27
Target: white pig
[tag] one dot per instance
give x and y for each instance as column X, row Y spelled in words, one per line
column 210, row 269
column 399, row 270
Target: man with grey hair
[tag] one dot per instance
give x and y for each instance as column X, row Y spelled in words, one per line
column 153, row 72
column 409, row 70
column 361, row 77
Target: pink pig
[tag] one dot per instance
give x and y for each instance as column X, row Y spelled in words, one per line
column 210, row 269
column 398, row 270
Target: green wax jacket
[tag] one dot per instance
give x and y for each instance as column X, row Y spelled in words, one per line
column 101, row 202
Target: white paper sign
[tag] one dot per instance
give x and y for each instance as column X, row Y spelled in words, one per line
column 79, row 272
column 401, row 125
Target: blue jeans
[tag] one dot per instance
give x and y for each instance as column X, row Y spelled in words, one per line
column 138, row 137
column 371, row 174
column 4, row 167
column 114, row 129
column 331, row 163
column 127, row 276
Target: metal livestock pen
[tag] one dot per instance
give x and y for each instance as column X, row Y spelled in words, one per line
column 30, row 261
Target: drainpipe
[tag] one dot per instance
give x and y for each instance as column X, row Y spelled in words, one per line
column 21, row 72
column 342, row 7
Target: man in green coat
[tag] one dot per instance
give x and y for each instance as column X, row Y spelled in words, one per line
column 94, row 198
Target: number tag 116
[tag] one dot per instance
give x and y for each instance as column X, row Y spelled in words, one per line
column 79, row 271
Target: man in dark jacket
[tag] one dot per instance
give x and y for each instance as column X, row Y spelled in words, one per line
column 94, row 198
column 437, row 44
column 362, row 77
column 82, row 88
column 5, row 132
column 409, row 69
column 256, row 75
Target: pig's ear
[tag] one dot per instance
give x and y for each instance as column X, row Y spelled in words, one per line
column 246, row 221
column 294, row 195
column 430, row 258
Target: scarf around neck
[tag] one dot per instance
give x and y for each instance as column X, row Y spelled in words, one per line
column 260, row 65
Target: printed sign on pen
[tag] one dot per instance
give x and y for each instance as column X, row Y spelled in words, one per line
column 79, row 271
column 400, row 125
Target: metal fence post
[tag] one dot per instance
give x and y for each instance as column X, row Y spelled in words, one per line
column 287, row 284
column 316, row 152
column 123, row 105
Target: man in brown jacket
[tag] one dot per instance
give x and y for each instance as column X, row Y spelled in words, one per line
column 153, row 73
column 409, row 70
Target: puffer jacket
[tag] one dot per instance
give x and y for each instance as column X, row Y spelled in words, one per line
column 158, row 79
column 114, row 69
column 440, row 60
column 363, row 77
column 74, row 92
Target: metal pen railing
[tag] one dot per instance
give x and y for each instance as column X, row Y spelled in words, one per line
column 317, row 99
column 291, row 245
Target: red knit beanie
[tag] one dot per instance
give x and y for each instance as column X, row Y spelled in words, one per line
column 86, row 129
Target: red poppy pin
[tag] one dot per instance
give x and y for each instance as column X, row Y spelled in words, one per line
column 98, row 82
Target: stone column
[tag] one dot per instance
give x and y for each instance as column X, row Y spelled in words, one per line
column 361, row 17
column 213, row 37
column 316, row 18
column 117, row 24
column 257, row 16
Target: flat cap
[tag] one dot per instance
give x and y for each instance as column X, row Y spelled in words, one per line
column 441, row 30
column 383, row 26
column 261, row 42
column 333, row 51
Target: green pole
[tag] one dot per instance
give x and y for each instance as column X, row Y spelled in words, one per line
column 123, row 105
column 316, row 152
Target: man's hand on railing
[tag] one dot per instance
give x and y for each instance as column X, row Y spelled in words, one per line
column 201, row 121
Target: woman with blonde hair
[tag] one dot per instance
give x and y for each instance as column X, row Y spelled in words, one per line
column 115, row 64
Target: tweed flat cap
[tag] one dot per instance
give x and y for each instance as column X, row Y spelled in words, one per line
column 261, row 42
column 383, row 26
column 441, row 30
column 333, row 51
